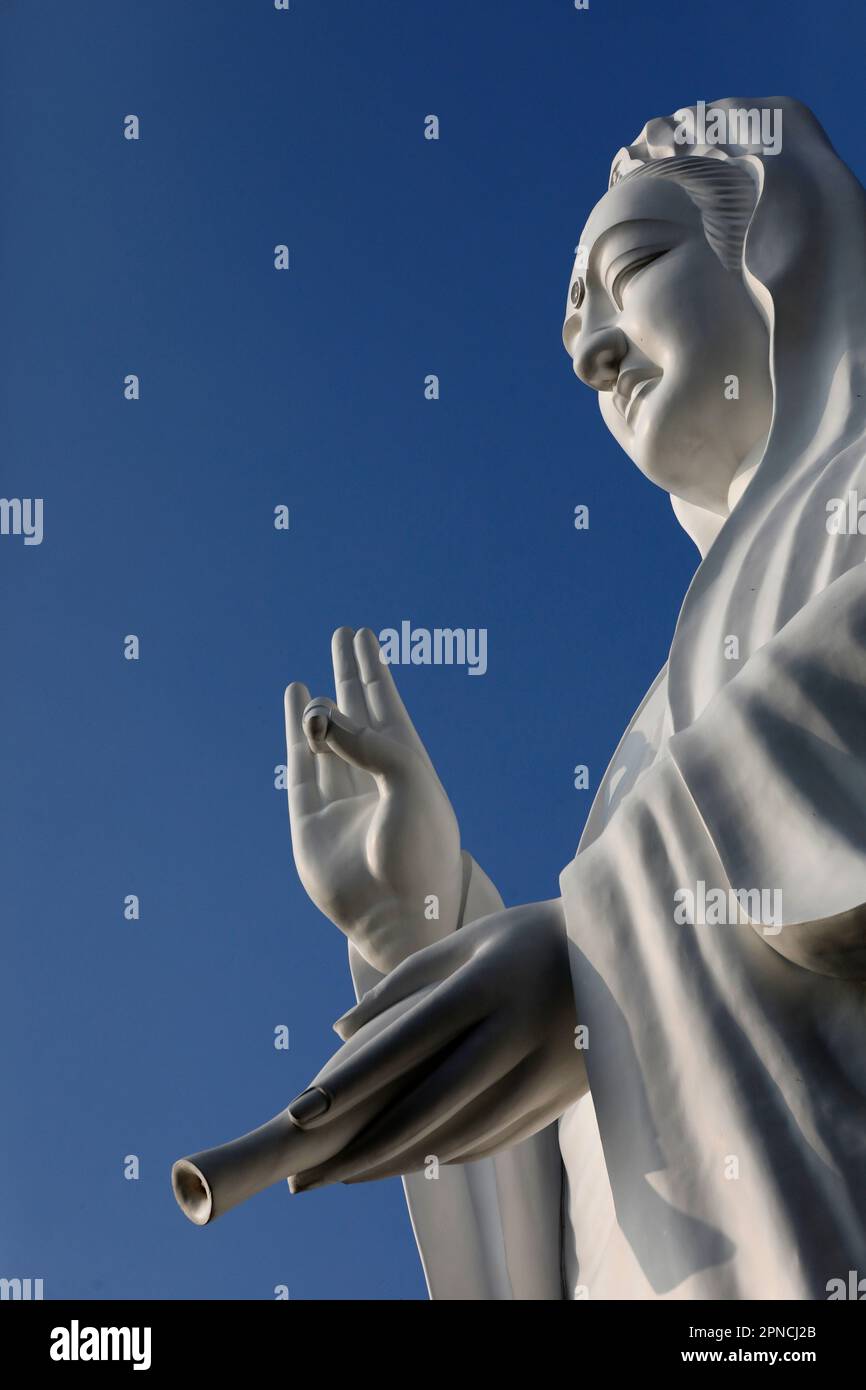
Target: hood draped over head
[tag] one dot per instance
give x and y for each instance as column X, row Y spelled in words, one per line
column 804, row 261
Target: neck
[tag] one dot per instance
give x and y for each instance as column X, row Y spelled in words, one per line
column 703, row 525
column 744, row 475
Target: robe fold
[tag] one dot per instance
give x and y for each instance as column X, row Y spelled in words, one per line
column 488, row 1230
column 727, row 1057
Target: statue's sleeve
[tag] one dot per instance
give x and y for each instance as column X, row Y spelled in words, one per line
column 771, row 777
column 491, row 1229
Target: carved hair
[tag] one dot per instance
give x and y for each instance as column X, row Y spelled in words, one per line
column 724, row 194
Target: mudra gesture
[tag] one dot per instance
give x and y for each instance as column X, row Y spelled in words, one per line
column 709, row 1140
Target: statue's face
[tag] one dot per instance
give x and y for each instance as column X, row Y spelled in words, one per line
column 657, row 325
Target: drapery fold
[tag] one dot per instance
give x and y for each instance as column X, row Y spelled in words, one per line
column 727, row 1057
column 488, row 1230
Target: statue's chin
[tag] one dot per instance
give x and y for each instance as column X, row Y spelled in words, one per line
column 663, row 470
column 668, row 448
column 700, row 474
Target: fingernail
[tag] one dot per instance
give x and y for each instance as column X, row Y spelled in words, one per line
column 309, row 1105
column 317, row 720
column 316, row 725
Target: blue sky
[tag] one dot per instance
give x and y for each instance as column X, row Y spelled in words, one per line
column 302, row 388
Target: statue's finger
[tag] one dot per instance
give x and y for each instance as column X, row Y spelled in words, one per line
column 333, row 775
column 295, row 701
column 328, row 728
column 300, row 763
column 422, row 969
column 439, row 1114
column 316, row 720
column 349, row 687
column 381, row 693
column 394, row 1047
column 383, row 699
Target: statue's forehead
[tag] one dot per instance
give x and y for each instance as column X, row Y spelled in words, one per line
column 648, row 198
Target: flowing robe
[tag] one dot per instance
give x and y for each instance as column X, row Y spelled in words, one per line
column 721, row 1149
column 721, row 1152
column 727, row 1060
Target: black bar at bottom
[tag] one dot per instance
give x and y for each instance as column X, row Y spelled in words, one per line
column 155, row 1338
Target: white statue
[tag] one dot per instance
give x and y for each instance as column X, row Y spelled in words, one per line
column 654, row 1086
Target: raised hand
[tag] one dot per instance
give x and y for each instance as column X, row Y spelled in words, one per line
column 374, row 836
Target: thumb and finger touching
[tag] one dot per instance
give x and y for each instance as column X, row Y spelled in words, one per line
column 326, row 726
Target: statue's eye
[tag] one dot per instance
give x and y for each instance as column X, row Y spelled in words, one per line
column 629, row 272
column 578, row 290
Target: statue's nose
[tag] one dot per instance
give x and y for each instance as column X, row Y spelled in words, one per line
column 598, row 356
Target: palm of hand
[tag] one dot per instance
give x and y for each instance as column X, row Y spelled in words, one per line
column 375, row 839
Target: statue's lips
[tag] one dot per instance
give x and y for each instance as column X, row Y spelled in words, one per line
column 629, row 389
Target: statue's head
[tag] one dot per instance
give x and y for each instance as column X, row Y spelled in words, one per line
column 659, row 320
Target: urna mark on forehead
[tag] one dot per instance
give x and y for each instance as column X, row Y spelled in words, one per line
column 633, row 208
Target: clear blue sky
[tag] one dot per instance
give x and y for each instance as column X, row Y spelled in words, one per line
column 305, row 388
